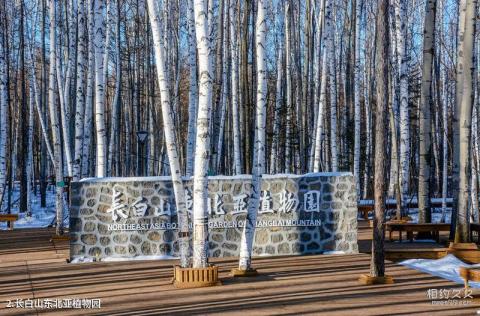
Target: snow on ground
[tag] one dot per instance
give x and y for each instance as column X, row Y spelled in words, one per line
column 219, row 177
column 40, row 217
column 445, row 268
column 334, row 252
column 115, row 259
column 410, row 200
column 413, row 213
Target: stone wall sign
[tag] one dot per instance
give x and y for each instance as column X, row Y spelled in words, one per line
column 128, row 217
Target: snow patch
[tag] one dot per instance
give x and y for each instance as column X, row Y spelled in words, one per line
column 39, row 217
column 116, row 259
column 334, row 252
column 445, row 268
column 218, row 177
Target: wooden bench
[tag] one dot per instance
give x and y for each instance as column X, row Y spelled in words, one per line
column 411, row 228
column 9, row 218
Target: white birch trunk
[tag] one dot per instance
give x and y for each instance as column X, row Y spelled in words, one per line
column 246, row 243
column 87, row 126
column 68, row 79
column 425, row 148
column 445, row 157
column 402, row 54
column 55, row 126
column 169, row 130
column 225, row 92
column 464, row 106
column 30, row 170
column 36, row 95
column 193, row 90
column 323, row 88
column 80, row 101
column 357, row 81
column 333, row 102
column 99, row 48
column 234, row 88
column 288, row 91
column 202, row 143
column 318, row 58
column 115, row 130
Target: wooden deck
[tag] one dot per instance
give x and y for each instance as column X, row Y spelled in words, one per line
column 33, row 267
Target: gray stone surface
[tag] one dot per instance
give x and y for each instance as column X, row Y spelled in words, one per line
column 92, row 202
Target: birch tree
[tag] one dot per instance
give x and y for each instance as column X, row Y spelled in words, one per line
column 202, row 142
column 234, row 87
column 357, row 81
column 54, row 122
column 116, row 104
column 169, row 131
column 402, row 57
column 425, row 150
column 87, row 126
column 333, row 99
column 80, row 100
column 225, row 87
column 193, row 89
column 327, row 38
column 465, row 68
column 246, row 243
column 99, row 48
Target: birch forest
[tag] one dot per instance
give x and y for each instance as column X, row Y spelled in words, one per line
column 388, row 90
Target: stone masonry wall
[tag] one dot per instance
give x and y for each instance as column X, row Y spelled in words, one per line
column 127, row 217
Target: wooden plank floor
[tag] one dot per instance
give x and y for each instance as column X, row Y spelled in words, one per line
column 33, row 267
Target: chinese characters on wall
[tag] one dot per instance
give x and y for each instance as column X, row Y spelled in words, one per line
column 288, row 202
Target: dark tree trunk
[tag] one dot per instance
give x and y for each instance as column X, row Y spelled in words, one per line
column 23, row 117
column 377, row 266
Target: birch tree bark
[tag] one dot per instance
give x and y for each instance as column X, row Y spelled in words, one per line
column 87, row 126
column 225, row 90
column 425, row 150
column 462, row 136
column 288, row 91
column 246, row 243
column 169, row 130
column 99, row 48
column 193, row 89
column 327, row 37
column 54, row 123
column 333, row 98
column 65, row 108
column 116, row 105
column 80, row 101
column 30, row 169
column 202, row 143
column 234, row 88
column 357, row 81
column 402, row 56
